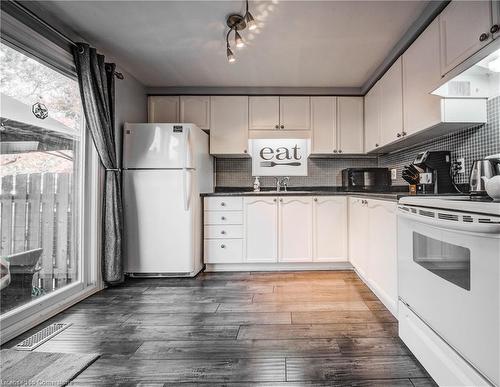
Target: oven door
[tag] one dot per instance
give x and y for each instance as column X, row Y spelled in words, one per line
column 449, row 276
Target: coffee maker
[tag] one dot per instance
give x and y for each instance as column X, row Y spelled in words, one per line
column 434, row 172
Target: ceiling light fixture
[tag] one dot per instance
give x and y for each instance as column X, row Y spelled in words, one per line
column 237, row 22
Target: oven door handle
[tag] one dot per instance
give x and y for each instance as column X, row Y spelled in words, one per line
column 469, row 227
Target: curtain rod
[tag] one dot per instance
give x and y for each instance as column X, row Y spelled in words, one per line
column 54, row 30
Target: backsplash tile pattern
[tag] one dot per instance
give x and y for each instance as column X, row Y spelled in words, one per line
column 322, row 172
column 472, row 144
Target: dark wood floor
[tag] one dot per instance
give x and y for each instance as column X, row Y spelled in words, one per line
column 301, row 328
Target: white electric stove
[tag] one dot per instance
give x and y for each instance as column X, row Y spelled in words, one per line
column 449, row 288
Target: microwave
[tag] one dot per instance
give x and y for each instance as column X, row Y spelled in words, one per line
column 366, row 179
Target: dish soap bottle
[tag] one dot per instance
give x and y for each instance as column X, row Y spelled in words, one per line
column 256, row 184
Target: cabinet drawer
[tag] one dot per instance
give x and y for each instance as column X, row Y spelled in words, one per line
column 224, row 203
column 223, row 232
column 223, row 217
column 223, row 250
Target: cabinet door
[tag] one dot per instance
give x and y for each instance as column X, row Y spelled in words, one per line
column 295, row 113
column 264, row 113
column 228, row 125
column 391, row 107
column 358, row 235
column 372, row 118
column 350, row 124
column 163, row 109
column 261, row 229
column 295, row 229
column 324, row 124
column 195, row 109
column 382, row 241
column 461, row 24
column 330, row 228
column 421, row 75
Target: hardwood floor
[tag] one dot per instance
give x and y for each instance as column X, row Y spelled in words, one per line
column 269, row 329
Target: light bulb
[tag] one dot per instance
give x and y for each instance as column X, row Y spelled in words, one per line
column 230, row 56
column 250, row 22
column 238, row 41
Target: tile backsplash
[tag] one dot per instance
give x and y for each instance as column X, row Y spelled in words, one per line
column 472, row 144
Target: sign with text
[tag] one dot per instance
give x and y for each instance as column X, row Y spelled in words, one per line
column 279, row 157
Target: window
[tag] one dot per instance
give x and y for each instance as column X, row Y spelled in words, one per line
column 41, row 169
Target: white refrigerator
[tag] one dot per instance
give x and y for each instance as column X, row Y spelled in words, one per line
column 165, row 168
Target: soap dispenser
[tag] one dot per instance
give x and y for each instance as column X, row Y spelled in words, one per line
column 256, row 184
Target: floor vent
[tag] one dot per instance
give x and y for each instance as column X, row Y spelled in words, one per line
column 41, row 337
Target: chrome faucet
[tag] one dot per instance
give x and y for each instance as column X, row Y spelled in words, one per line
column 282, row 183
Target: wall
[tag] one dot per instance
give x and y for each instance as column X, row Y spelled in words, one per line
column 130, row 103
column 472, row 144
column 321, row 172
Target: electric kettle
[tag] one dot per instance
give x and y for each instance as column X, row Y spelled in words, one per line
column 487, row 168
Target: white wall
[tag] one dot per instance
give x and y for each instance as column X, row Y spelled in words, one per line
column 130, row 103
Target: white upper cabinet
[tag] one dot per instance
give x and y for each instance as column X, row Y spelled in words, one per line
column 464, row 30
column 421, row 75
column 372, row 118
column 391, row 104
column 228, row 125
column 329, row 228
column 324, row 124
column 163, row 109
column 295, row 229
column 350, row 124
column 261, row 229
column 195, row 109
column 264, row 113
column 279, row 113
column 295, row 113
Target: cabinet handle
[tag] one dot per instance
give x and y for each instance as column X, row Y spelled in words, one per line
column 274, row 200
column 376, row 145
column 222, row 246
column 222, row 204
column 340, row 150
column 403, row 133
column 398, row 135
column 494, row 28
column 223, row 218
column 483, row 37
column 335, row 151
column 282, row 126
column 281, row 200
column 223, row 232
column 244, row 151
column 277, row 127
column 315, row 199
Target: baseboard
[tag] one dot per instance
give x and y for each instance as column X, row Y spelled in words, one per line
column 278, row 266
column 26, row 324
column 390, row 304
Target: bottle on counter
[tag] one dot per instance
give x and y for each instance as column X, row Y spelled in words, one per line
column 256, row 184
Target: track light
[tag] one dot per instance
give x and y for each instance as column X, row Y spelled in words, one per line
column 238, row 40
column 237, row 23
column 230, row 56
column 250, row 21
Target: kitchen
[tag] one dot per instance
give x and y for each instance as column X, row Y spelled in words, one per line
column 286, row 220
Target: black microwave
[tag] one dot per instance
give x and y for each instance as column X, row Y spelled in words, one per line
column 366, row 179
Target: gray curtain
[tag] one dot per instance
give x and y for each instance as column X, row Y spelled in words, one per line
column 97, row 89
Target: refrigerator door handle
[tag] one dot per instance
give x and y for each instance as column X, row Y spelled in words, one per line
column 186, row 180
column 188, row 154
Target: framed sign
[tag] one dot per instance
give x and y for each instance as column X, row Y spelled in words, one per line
column 279, row 157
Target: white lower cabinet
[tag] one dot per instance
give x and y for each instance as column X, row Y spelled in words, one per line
column 373, row 246
column 329, row 217
column 261, row 229
column 295, row 229
column 283, row 230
